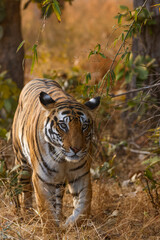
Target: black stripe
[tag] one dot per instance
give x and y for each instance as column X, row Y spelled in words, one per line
column 34, row 147
column 66, row 112
column 70, row 104
column 42, row 167
column 17, row 145
column 80, row 113
column 76, row 179
column 70, row 107
column 60, row 185
column 22, row 157
column 49, row 184
column 22, row 160
column 54, row 90
column 79, row 167
column 78, row 108
column 31, row 88
column 59, row 196
column 76, row 194
column 59, row 98
column 48, row 118
column 43, row 161
column 52, row 123
column 58, row 204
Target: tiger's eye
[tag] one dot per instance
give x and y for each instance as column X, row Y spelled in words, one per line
column 63, row 126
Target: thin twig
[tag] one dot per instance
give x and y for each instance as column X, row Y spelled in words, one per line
column 137, row 151
column 150, row 195
column 112, row 95
column 148, row 119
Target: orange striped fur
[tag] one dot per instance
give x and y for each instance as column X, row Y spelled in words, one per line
column 52, row 135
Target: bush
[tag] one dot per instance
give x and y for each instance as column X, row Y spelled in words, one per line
column 9, row 93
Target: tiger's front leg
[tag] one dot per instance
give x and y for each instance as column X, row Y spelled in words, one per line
column 24, row 199
column 49, row 200
column 81, row 191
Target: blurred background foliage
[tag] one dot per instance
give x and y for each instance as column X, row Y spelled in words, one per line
column 9, row 94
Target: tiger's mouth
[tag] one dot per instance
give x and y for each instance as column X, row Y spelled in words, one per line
column 74, row 157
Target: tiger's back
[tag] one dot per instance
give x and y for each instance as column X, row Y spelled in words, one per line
column 52, row 136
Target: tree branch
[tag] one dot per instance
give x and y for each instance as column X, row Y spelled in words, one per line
column 112, row 95
column 123, row 43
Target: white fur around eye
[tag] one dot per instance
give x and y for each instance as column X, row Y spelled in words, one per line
column 92, row 100
column 66, row 119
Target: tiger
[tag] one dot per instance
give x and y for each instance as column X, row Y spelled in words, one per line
column 52, row 140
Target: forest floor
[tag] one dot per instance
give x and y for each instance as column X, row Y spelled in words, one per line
column 121, row 209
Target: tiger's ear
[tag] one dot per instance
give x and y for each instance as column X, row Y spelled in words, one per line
column 46, row 101
column 93, row 103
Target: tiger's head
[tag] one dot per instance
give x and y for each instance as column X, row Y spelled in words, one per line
column 68, row 126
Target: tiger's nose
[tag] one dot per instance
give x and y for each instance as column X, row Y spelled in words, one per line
column 74, row 149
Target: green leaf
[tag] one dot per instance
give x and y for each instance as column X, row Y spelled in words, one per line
column 4, row 91
column 136, row 14
column 151, row 62
column 127, row 57
column 152, row 161
column 88, row 77
column 120, row 75
column 47, row 9
column 132, row 103
column 34, row 57
column 115, row 42
column 102, row 55
column 20, row 45
column 2, row 169
column 91, row 53
column 122, row 37
column 97, row 48
column 8, row 105
column 128, row 76
column 120, row 19
column 45, row 2
column 148, row 174
column 142, row 72
column 3, row 132
column 156, row 5
column 56, row 10
column 123, row 55
column 123, row 7
column 113, row 76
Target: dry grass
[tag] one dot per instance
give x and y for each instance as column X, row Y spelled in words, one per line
column 117, row 213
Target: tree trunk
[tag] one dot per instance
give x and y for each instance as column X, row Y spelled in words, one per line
column 10, row 38
column 147, row 43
